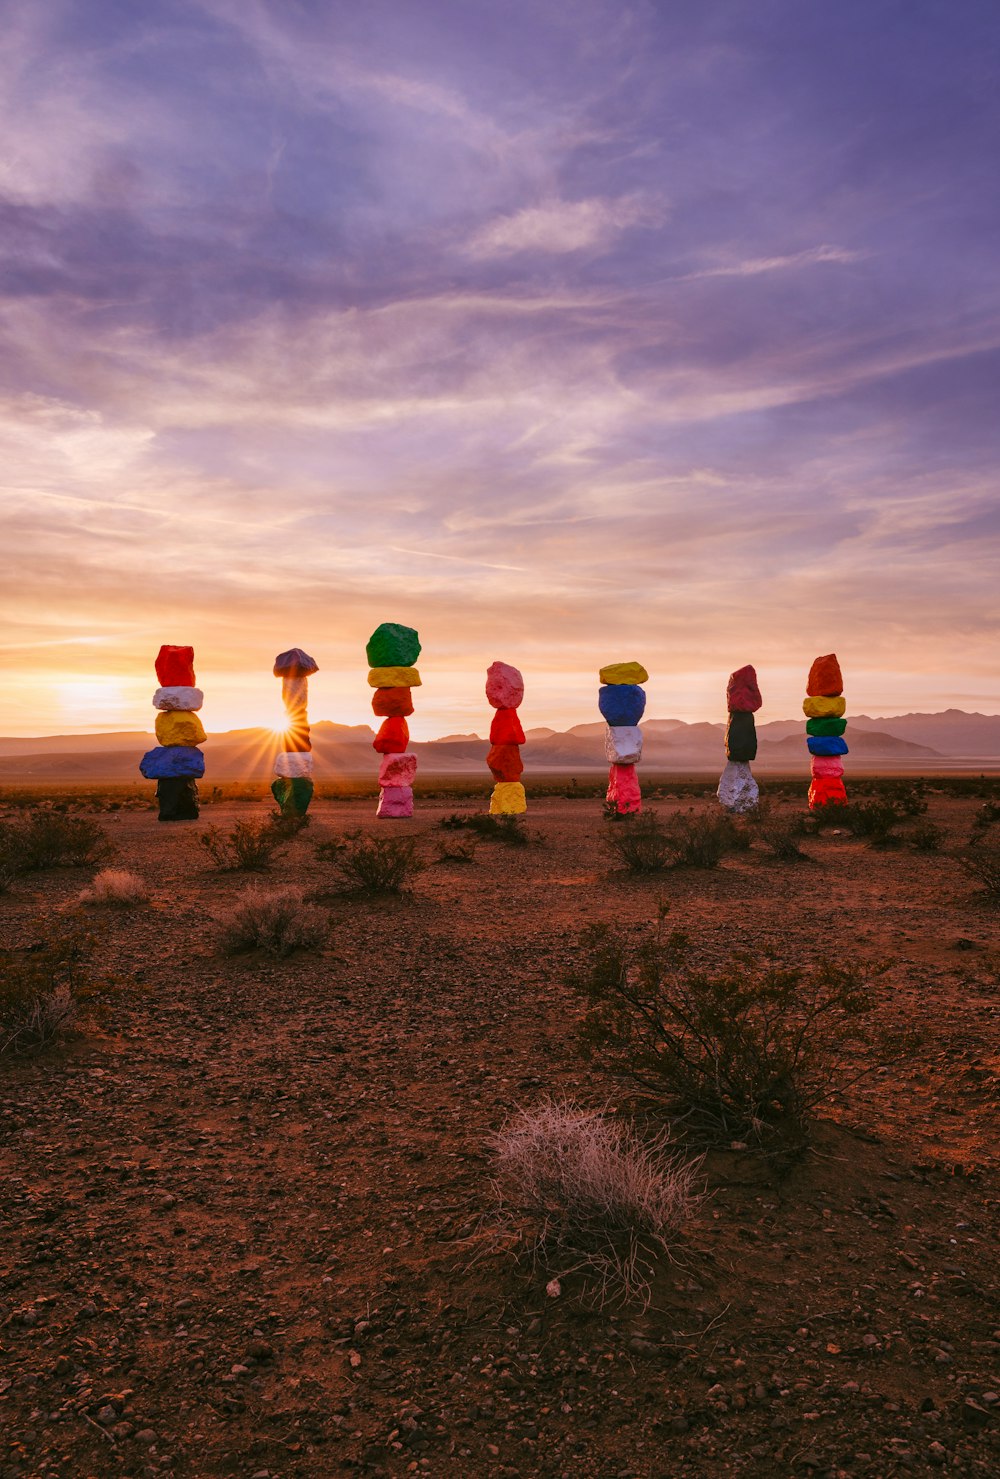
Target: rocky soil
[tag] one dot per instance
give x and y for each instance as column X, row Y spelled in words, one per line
column 244, row 1217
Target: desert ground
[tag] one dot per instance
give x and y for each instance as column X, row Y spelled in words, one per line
column 246, row 1210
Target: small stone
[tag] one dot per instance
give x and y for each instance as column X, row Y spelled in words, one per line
column 106, row 1415
column 146, row 1436
column 937, row 1453
column 553, row 1288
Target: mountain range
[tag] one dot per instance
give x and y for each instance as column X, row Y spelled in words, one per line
column 949, row 740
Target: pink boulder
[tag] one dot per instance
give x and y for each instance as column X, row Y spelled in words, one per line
column 397, row 770
column 395, row 801
column 623, row 789
column 504, row 685
column 742, row 693
column 827, row 765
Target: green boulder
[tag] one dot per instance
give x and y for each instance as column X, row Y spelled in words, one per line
column 292, row 795
column 392, row 646
column 825, row 726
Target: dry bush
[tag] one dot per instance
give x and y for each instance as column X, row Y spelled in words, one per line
column 42, row 987
column 373, row 864
column 276, row 920
column 117, row 888
column 986, row 817
column 747, row 1052
column 458, row 851
column 506, row 827
column 702, row 839
column 249, row 847
column 926, row 837
column 50, row 839
column 781, row 833
column 641, row 842
column 588, row 1196
column 875, row 819
column 983, row 862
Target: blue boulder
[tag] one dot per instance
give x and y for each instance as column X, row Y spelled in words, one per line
column 622, row 703
column 826, row 744
column 172, row 762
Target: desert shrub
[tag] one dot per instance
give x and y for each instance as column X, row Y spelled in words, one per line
column 641, row 843
column 118, row 888
column 249, row 847
column 49, row 839
column 457, row 851
column 701, row 839
column 780, row 833
column 748, row 1051
column 373, row 864
column 983, row 863
column 875, row 820
column 289, row 826
column 588, row 1196
column 42, row 988
column 909, row 797
column 276, row 920
column 986, row 817
column 505, row 827
column 926, row 837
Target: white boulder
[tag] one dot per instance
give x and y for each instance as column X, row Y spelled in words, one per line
column 186, row 700
column 623, row 744
column 291, row 765
column 737, row 787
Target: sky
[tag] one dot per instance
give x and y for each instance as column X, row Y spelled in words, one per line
column 566, row 331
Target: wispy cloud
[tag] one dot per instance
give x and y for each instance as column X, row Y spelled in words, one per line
column 562, row 226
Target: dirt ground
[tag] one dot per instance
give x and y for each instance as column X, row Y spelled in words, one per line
column 241, row 1218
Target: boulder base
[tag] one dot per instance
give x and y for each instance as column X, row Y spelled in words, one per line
column 392, row 738
column 624, row 672
column 827, row 791
column 826, row 765
column 826, row 744
column 393, row 677
column 741, row 736
column 825, row 677
column 504, row 686
column 824, row 708
column 508, row 799
column 623, row 744
column 825, row 726
column 294, row 664
column 293, row 765
column 187, row 699
column 178, row 800
column 177, row 727
column 397, row 770
column 621, row 704
column 506, row 728
column 395, row 801
column 392, row 646
column 623, row 789
column 505, row 762
column 172, row 762
column 175, row 667
column 738, row 790
column 742, row 693
column 392, row 703
column 293, row 795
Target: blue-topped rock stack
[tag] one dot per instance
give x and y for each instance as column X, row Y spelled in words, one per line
column 622, row 702
column 177, row 764
column 292, row 787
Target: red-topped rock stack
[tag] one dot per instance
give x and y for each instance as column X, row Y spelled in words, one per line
column 177, row 763
column 505, row 690
column 737, row 787
column 824, row 708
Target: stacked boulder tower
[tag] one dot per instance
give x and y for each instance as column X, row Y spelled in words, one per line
column 824, row 708
column 176, row 764
column 392, row 651
column 504, row 691
column 737, row 788
column 622, row 702
column 292, row 787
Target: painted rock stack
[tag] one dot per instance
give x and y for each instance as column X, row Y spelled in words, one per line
column 504, row 691
column 176, row 763
column 292, row 787
column 622, row 702
column 392, row 651
column 825, row 724
column 737, row 787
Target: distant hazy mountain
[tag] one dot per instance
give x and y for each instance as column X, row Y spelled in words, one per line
column 908, row 741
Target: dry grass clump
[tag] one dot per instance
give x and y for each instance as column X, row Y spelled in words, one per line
column 693, row 839
column 926, row 837
column 49, row 839
column 588, row 1196
column 747, row 1052
column 641, row 842
column 116, row 888
column 249, row 847
column 505, row 827
column 276, row 920
column 41, row 989
column 983, row 862
column 457, row 851
column 781, row 834
column 373, row 864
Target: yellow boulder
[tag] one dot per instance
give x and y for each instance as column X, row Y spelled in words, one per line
column 178, row 727
column 508, row 799
column 824, row 708
column 624, row 672
column 393, row 678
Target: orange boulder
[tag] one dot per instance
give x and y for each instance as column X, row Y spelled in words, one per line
column 825, row 677
column 505, row 762
column 393, row 738
column 392, row 703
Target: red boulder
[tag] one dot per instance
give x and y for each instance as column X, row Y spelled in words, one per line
column 742, row 693
column 393, row 738
column 175, row 667
column 505, row 762
column 392, row 703
column 825, row 678
column 506, row 728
